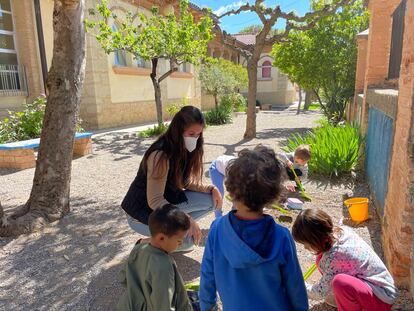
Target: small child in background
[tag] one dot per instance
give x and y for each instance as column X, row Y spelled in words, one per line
column 249, row 259
column 151, row 276
column 350, row 269
column 217, row 172
column 298, row 161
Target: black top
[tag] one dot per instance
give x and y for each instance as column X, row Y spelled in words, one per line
column 135, row 203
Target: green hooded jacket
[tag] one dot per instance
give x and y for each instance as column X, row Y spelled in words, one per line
column 152, row 282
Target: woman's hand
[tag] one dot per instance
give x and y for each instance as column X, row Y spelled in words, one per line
column 194, row 231
column 217, row 198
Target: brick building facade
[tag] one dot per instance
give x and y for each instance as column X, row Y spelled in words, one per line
column 384, row 106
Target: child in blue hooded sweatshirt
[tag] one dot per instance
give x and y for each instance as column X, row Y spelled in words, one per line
column 249, row 259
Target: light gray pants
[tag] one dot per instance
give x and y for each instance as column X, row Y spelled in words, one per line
column 198, row 205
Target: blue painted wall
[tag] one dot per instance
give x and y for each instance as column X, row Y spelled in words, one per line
column 378, row 152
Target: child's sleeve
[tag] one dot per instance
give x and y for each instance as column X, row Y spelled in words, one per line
column 304, row 170
column 282, row 157
column 293, row 278
column 321, row 289
column 208, row 296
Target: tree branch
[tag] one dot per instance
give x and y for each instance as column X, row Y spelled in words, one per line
column 292, row 19
column 244, row 8
column 319, row 100
column 259, row 12
column 326, row 10
column 165, row 75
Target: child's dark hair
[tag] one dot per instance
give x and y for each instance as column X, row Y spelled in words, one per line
column 314, row 227
column 254, row 177
column 303, row 152
column 169, row 220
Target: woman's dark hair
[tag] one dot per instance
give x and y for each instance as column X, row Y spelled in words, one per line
column 169, row 220
column 254, row 177
column 314, row 227
column 172, row 144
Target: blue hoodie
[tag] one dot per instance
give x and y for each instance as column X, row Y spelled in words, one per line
column 252, row 264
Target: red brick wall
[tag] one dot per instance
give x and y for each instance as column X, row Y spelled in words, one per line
column 378, row 51
column 399, row 204
column 362, row 42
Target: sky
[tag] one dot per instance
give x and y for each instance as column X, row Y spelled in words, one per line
column 233, row 24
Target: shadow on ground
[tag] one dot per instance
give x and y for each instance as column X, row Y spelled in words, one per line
column 71, row 244
column 122, row 144
column 280, row 133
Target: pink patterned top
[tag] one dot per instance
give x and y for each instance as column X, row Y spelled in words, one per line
column 353, row 256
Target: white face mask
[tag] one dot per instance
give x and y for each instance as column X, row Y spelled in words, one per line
column 190, row 143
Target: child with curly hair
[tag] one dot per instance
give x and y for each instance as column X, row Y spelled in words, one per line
column 249, row 259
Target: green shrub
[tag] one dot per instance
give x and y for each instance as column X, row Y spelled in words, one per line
column 26, row 124
column 156, row 130
column 335, row 148
column 314, row 106
column 218, row 116
column 234, row 102
column 174, row 108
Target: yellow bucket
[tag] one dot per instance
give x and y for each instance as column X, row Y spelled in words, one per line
column 358, row 208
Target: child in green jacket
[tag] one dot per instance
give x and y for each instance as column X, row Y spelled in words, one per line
column 151, row 276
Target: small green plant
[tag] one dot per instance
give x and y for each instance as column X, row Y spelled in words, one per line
column 335, row 148
column 234, row 102
column 26, row 124
column 174, row 108
column 314, row 106
column 156, row 130
column 218, row 116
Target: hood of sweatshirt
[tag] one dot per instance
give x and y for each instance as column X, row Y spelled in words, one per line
column 258, row 241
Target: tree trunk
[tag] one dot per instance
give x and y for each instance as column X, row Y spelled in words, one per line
column 308, row 99
column 49, row 198
column 157, row 90
column 215, row 100
column 251, row 99
column 300, row 100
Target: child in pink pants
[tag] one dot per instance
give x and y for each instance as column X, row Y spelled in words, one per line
column 351, row 271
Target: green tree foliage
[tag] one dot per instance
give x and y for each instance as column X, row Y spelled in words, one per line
column 177, row 39
column 324, row 57
column 220, row 77
column 255, row 29
column 269, row 17
column 251, row 29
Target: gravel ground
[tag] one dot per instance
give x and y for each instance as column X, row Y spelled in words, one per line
column 73, row 264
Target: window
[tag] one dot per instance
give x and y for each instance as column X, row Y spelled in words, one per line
column 141, row 63
column 12, row 77
column 266, row 69
column 8, row 54
column 184, row 67
column 397, row 39
column 119, row 56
